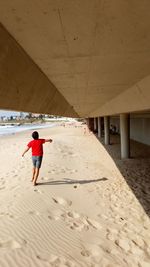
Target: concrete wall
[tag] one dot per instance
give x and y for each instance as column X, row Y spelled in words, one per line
column 139, row 128
column 115, row 121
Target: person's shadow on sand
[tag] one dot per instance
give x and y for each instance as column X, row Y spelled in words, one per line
column 71, row 181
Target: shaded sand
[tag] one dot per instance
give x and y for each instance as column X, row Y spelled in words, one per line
column 82, row 213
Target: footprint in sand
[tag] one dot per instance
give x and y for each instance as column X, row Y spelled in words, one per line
column 44, row 178
column 62, row 201
column 38, row 191
column 69, row 171
column 78, row 226
column 33, row 212
column 96, row 255
column 79, row 222
column 3, row 213
column 12, row 244
column 2, row 187
column 94, row 224
column 3, row 182
column 84, row 224
column 10, row 215
column 74, row 155
column 22, row 167
column 56, row 261
column 57, row 171
column 55, row 215
column 124, row 244
column 52, row 171
column 94, row 252
column 85, row 253
column 42, row 258
column 74, row 220
column 73, row 214
column 73, row 171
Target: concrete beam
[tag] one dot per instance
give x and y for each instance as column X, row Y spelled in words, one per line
column 136, row 98
column 23, row 86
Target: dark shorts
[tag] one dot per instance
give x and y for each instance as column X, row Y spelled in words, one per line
column 37, row 160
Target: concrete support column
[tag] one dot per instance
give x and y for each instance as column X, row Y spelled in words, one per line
column 95, row 124
column 99, row 127
column 125, row 135
column 106, row 130
column 91, row 124
column 88, row 122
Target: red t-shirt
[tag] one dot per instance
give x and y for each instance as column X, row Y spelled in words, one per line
column 37, row 147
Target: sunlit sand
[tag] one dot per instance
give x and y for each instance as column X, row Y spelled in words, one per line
column 83, row 212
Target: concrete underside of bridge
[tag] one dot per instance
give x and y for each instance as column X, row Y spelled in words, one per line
column 75, row 58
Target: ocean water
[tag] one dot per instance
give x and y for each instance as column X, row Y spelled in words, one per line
column 12, row 129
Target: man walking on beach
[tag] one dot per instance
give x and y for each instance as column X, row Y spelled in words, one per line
column 37, row 154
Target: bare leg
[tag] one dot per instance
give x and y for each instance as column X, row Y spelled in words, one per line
column 36, row 175
column 33, row 174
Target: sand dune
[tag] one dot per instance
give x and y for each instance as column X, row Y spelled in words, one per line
column 82, row 213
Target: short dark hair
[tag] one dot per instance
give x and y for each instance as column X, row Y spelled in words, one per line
column 35, row 135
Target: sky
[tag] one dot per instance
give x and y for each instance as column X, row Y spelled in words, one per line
column 8, row 113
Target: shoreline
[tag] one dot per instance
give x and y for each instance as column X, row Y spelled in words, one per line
column 13, row 129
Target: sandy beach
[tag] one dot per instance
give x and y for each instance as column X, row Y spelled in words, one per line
column 88, row 210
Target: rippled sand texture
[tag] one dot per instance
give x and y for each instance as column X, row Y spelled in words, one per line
column 82, row 213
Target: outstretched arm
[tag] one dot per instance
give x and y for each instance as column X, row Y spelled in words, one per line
column 48, row 140
column 25, row 151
